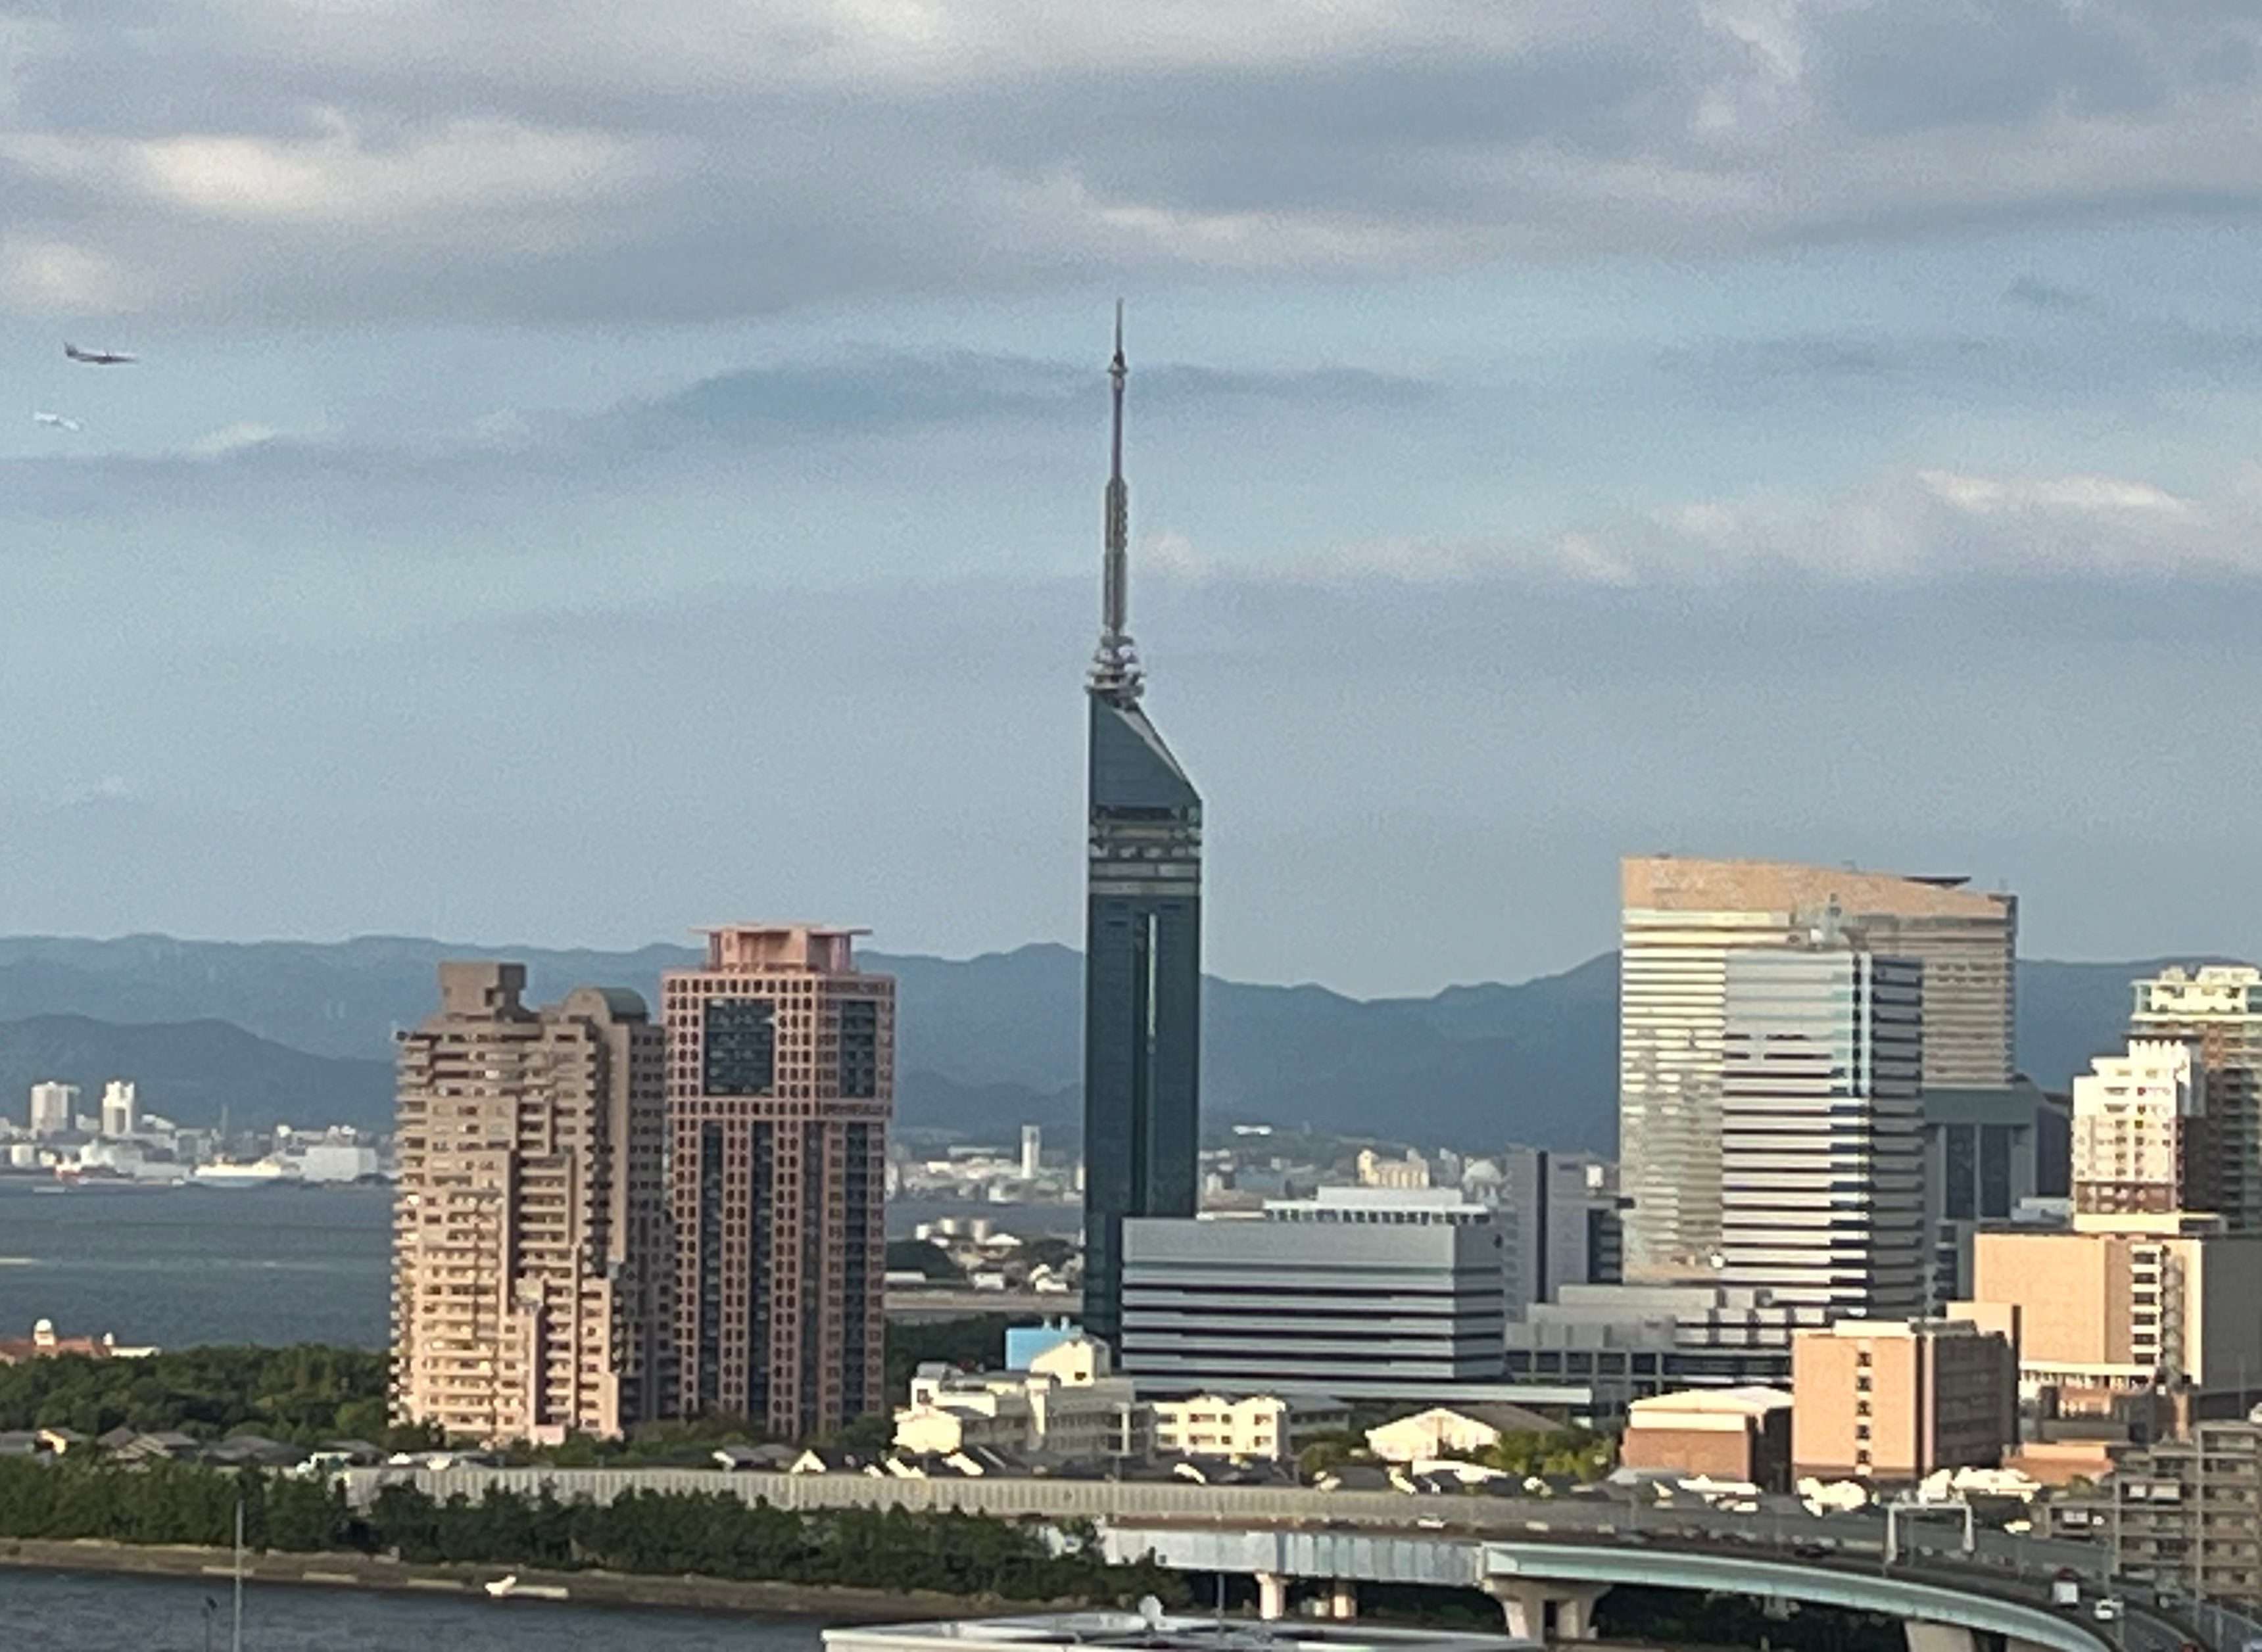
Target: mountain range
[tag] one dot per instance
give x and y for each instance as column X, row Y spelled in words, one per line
column 300, row 1032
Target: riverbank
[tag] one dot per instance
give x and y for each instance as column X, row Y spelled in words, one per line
column 217, row 1566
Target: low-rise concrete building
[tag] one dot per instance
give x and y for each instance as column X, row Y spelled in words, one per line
column 1068, row 1404
column 1453, row 1431
column 1261, row 1426
column 1727, row 1433
column 1893, row 1400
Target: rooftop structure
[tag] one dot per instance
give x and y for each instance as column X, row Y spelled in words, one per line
column 1398, row 1206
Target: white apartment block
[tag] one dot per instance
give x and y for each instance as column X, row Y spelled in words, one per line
column 52, row 1107
column 2137, row 1139
column 121, row 1115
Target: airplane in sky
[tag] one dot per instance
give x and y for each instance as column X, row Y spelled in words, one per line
column 96, row 358
column 57, row 420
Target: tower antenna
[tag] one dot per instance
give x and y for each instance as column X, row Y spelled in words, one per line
column 1115, row 665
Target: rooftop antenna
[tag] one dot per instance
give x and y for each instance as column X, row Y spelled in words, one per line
column 1115, row 665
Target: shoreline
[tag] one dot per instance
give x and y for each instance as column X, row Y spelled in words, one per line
column 827, row 1603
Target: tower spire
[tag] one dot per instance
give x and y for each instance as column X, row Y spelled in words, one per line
column 1115, row 665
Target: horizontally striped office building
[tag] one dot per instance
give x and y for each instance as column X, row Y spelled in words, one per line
column 1360, row 1292
column 1822, row 1162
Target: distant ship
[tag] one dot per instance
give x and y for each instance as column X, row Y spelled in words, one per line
column 262, row 1172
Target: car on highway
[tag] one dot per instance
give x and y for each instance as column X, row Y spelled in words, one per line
column 1813, row 1551
column 2108, row 1609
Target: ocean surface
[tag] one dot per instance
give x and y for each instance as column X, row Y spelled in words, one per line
column 86, row 1612
column 176, row 1266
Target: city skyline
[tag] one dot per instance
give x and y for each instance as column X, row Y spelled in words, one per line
column 1751, row 382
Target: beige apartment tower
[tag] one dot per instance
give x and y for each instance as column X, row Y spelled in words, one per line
column 1680, row 921
column 529, row 1226
column 780, row 1081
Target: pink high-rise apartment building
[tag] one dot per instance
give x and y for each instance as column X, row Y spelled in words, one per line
column 781, row 1082
column 530, row 1255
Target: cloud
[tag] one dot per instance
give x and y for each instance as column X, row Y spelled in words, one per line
column 942, row 446
column 1923, row 527
column 42, row 277
column 759, row 421
column 307, row 160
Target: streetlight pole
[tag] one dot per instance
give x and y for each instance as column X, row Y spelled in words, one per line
column 235, row 1640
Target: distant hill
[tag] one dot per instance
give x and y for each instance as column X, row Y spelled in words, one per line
column 987, row 1043
column 188, row 1071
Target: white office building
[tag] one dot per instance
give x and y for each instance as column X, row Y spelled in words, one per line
column 121, row 1115
column 1357, row 1292
column 1821, row 1155
column 52, row 1107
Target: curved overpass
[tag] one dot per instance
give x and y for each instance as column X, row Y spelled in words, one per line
column 1554, row 1583
column 1918, row 1602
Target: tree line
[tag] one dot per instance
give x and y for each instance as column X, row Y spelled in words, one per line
column 303, row 1395
column 309, row 1393
column 659, row 1533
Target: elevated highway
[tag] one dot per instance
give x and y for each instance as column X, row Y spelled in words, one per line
column 1574, row 1546
column 1548, row 1585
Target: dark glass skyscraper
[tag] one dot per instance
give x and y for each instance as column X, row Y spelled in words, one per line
column 1141, row 944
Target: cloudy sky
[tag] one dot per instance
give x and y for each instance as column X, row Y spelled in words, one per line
column 598, row 470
